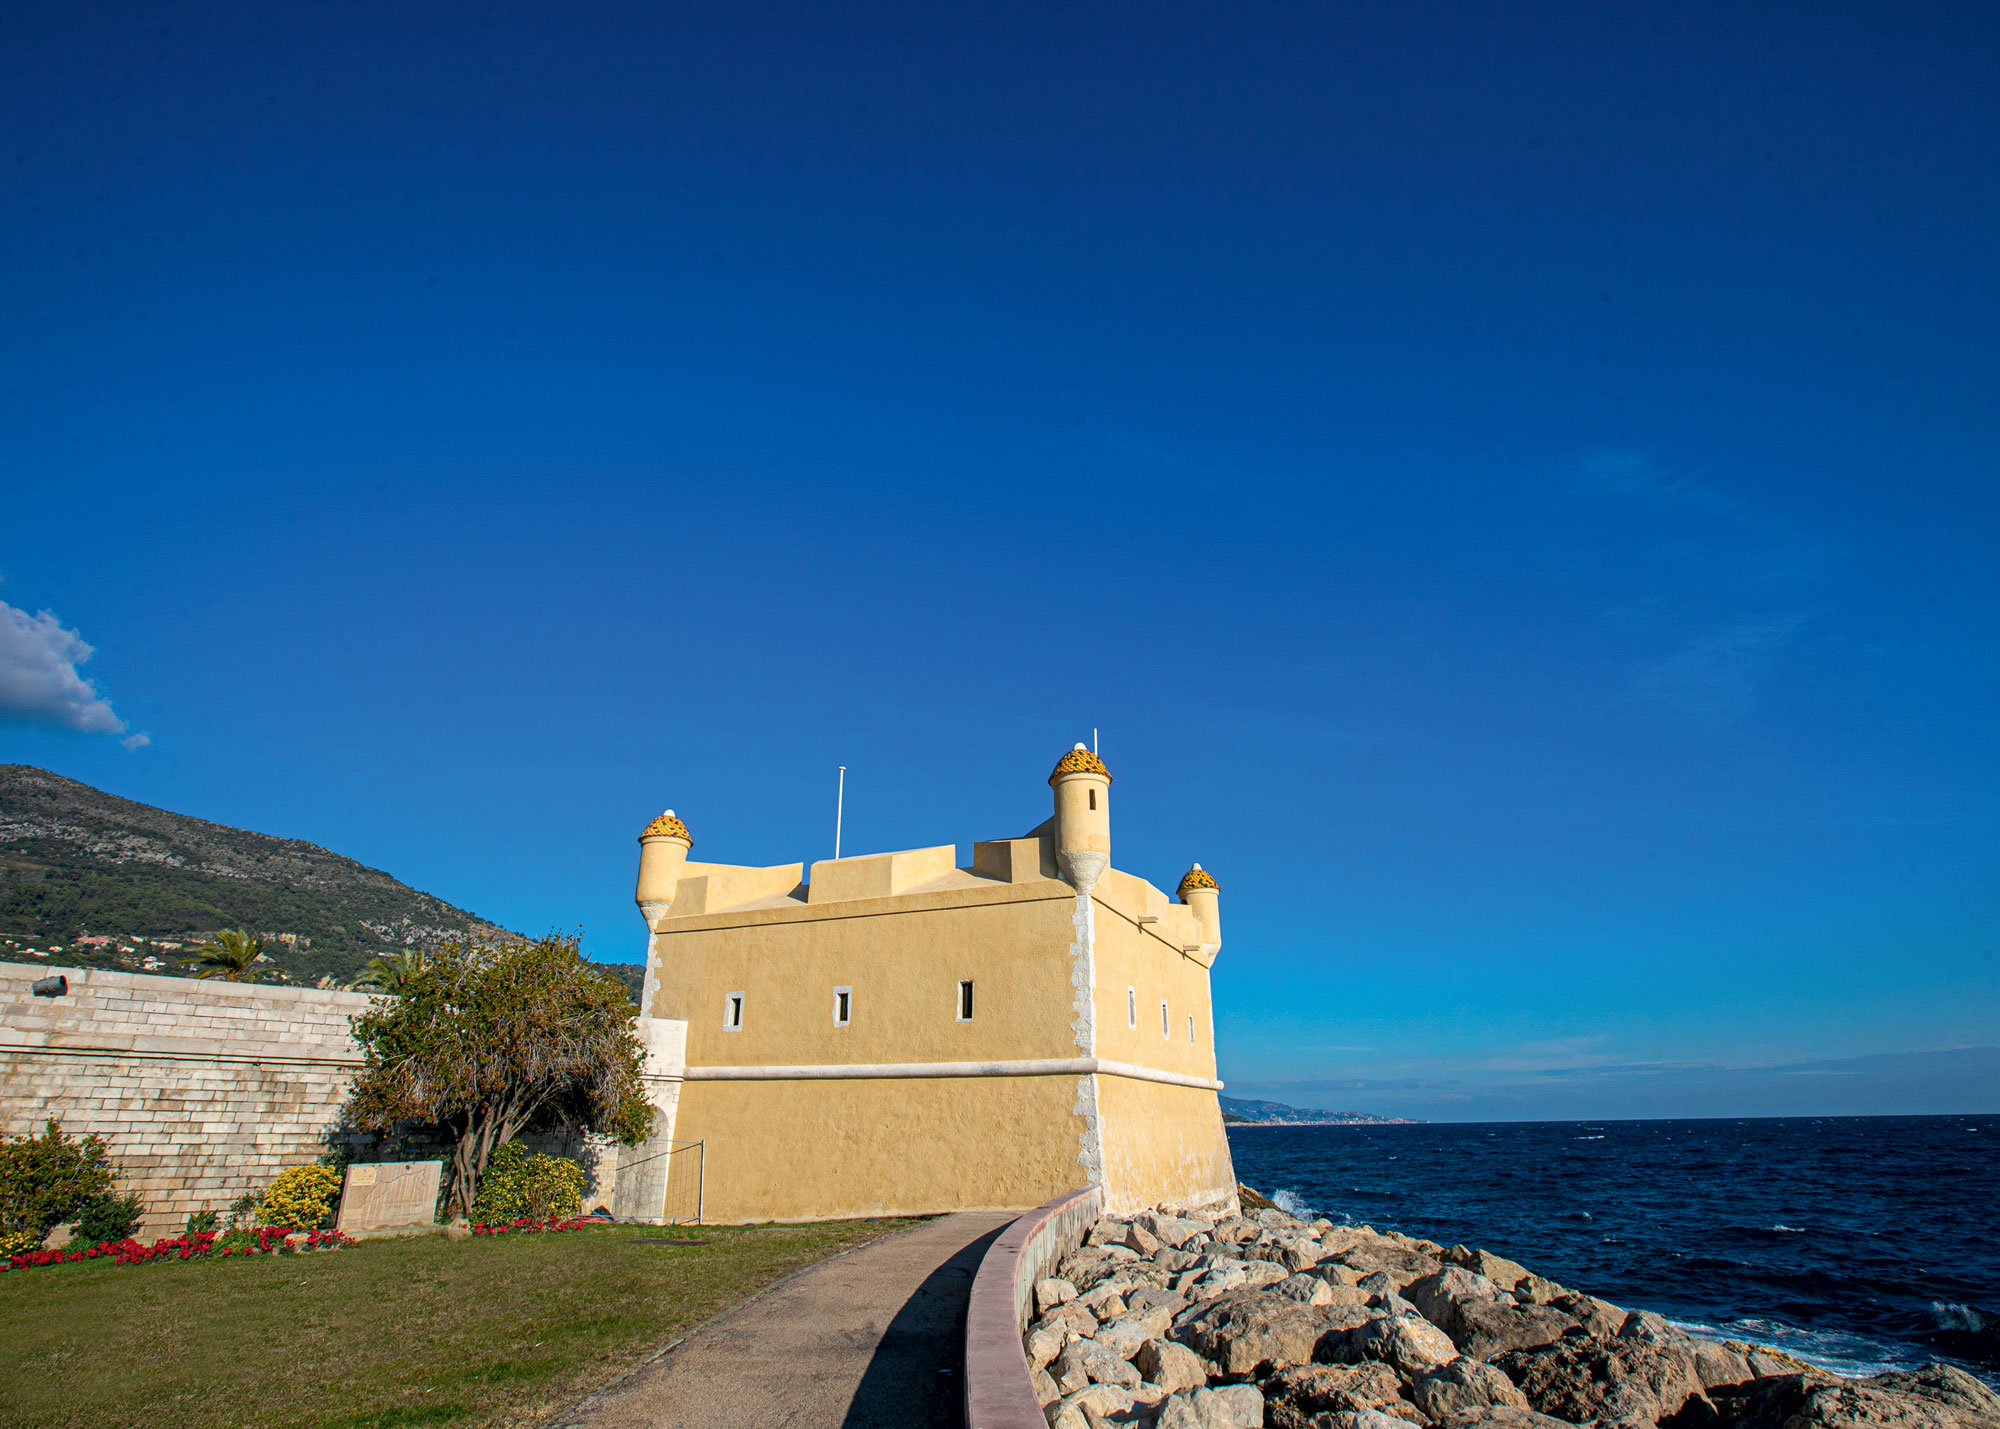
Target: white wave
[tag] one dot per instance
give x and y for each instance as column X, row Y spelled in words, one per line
column 1791, row 1230
column 1292, row 1204
column 1951, row 1316
column 1587, row 1138
column 1850, row 1356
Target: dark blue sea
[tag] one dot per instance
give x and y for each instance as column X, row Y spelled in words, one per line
column 1857, row 1243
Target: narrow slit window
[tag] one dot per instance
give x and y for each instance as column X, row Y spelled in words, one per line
column 1164, row 1032
column 1131, row 1007
column 1190, row 1028
column 843, row 1006
column 732, row 1013
column 965, row 1002
column 1093, row 798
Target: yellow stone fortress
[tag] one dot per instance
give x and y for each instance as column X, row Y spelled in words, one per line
column 900, row 1035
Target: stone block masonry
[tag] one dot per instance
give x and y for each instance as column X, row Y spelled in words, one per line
column 202, row 1090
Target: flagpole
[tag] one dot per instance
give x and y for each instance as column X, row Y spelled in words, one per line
column 839, row 803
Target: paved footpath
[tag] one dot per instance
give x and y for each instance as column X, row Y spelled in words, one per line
column 873, row 1339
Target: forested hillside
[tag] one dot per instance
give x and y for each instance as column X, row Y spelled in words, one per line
column 78, row 866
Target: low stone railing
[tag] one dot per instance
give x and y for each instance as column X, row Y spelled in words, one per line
column 999, row 1389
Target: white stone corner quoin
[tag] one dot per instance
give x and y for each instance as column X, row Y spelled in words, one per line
column 1082, row 868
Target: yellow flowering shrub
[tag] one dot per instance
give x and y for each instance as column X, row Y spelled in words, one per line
column 302, row 1198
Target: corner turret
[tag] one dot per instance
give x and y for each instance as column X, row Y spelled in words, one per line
column 663, row 851
column 1083, row 817
column 1198, row 890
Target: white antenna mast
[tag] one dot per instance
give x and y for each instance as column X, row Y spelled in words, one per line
column 1093, row 739
column 839, row 803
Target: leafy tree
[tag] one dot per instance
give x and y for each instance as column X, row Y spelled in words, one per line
column 233, row 956
column 489, row 1040
column 390, row 972
column 46, row 1179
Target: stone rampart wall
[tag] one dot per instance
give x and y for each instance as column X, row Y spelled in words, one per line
column 202, row 1089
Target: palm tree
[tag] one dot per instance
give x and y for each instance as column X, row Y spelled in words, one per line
column 390, row 972
column 232, row 956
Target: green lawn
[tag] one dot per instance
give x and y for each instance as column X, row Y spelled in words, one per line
column 500, row 1330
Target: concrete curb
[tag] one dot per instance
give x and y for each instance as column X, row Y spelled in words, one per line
column 999, row 1388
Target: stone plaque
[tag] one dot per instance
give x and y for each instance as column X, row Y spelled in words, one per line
column 389, row 1195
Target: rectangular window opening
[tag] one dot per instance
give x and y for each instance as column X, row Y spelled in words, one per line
column 1131, row 1007
column 843, row 1005
column 732, row 1013
column 1190, row 1028
column 1164, row 1032
column 965, row 1002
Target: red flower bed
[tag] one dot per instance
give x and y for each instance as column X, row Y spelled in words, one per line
column 529, row 1225
column 270, row 1240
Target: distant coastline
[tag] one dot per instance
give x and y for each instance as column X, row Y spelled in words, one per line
column 1237, row 1112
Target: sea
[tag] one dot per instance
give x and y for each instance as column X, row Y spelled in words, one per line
column 1860, row 1244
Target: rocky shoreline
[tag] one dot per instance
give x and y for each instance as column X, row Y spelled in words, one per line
column 1198, row 1319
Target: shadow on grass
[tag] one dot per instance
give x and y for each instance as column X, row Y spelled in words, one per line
column 915, row 1379
column 396, row 1418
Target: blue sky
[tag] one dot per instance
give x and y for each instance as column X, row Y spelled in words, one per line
column 1516, row 490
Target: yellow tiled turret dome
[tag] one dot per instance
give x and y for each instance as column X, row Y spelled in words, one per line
column 1197, row 877
column 667, row 826
column 1080, row 761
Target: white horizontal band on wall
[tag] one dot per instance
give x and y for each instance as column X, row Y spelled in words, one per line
column 154, row 1054
column 1034, row 1067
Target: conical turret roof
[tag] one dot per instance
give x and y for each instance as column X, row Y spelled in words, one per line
column 667, row 826
column 1080, row 761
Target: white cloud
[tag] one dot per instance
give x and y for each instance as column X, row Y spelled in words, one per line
column 38, row 676
column 1714, row 682
column 1636, row 474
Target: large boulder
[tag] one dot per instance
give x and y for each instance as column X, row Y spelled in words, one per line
column 1653, row 1329
column 1170, row 1230
column 1442, row 1296
column 1100, row 1400
column 1402, row 1264
column 1464, row 1384
column 1052, row 1292
column 1582, row 1379
column 1087, row 1362
column 1799, row 1402
column 1491, row 1327
column 1953, row 1388
column 1171, row 1366
column 1044, row 1342
column 1306, row 1289
column 1245, row 1331
column 1408, row 1343
column 1294, row 1396
column 1500, row 1416
column 1227, row 1408
column 1600, row 1318
column 1302, row 1253
column 1718, row 1366
column 1501, row 1271
column 1124, row 1335
column 1077, row 1320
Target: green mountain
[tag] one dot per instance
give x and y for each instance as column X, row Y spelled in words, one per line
column 1237, row 1112
column 93, row 880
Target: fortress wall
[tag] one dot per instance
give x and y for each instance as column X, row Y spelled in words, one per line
column 202, row 1090
column 835, row 1148
column 1162, row 1144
